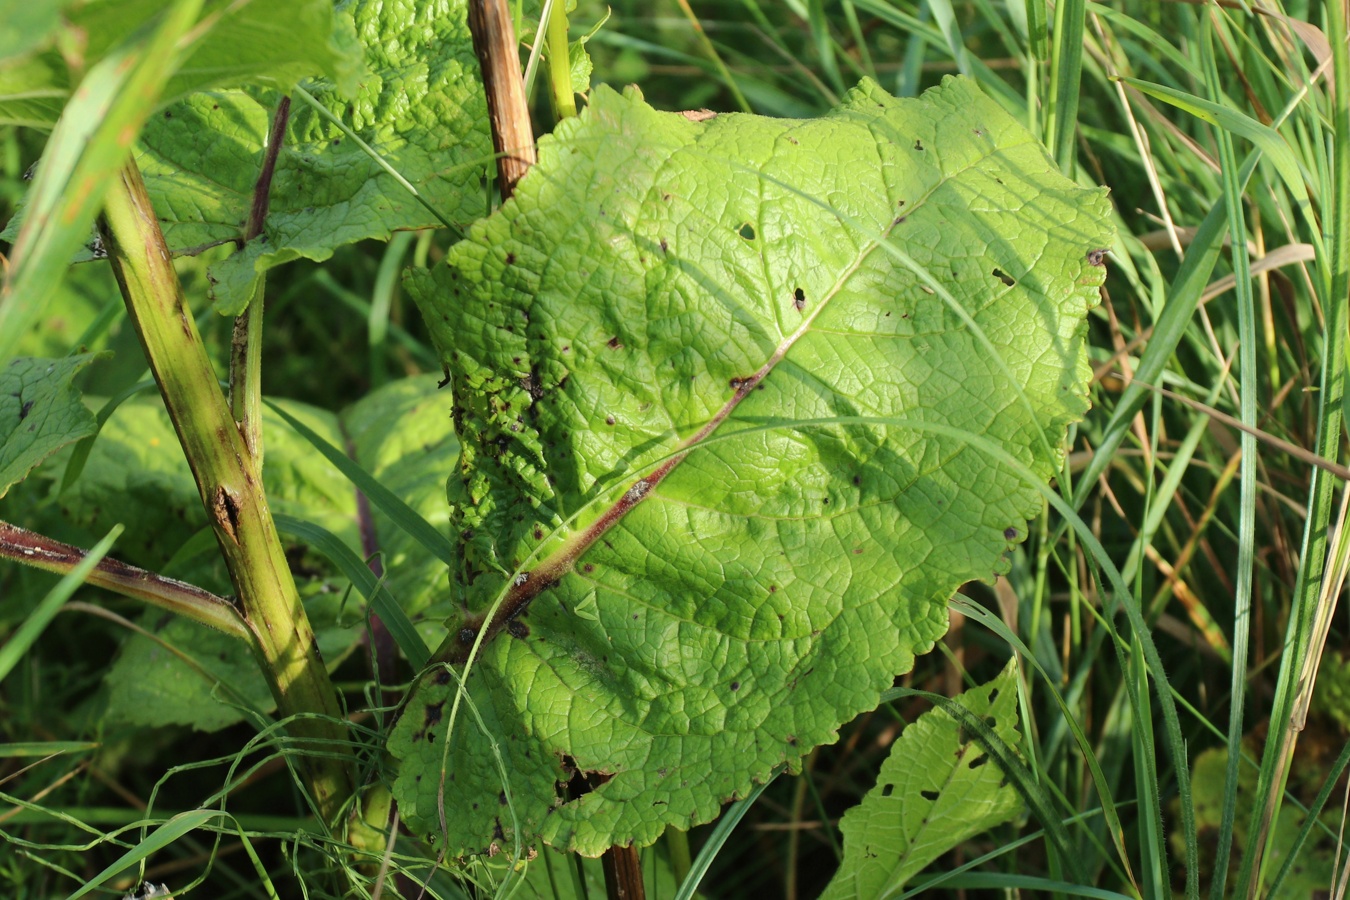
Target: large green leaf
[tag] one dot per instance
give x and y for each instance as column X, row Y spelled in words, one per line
column 40, row 412
column 935, row 790
column 420, row 107
column 711, row 381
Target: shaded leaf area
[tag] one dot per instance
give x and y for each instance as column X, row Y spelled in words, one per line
column 276, row 44
column 136, row 474
column 937, row 788
column 40, row 412
column 697, row 394
column 419, row 106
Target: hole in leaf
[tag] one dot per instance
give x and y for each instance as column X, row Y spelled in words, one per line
column 747, row 231
column 930, row 796
column 887, row 790
column 799, row 299
column 1004, row 277
column 979, row 761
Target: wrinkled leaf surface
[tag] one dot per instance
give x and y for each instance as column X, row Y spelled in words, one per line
column 40, row 412
column 712, row 381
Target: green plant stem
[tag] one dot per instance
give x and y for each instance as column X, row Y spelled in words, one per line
column 230, row 485
column 246, row 343
column 186, row 600
column 560, row 64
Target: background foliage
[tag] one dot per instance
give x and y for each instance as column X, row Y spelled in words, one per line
column 1214, row 130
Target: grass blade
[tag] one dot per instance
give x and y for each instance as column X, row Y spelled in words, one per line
column 358, row 573
column 402, row 515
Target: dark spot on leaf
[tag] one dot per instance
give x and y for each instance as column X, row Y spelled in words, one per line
column 1096, row 257
column 613, row 343
column 443, row 676
column 588, row 568
column 792, row 740
column 792, row 140
column 747, row 231
column 918, row 145
column 1004, row 277
column 664, row 246
column 23, row 410
column 1010, row 533
column 609, row 420
column 167, row 114
column 518, row 629
column 510, row 259
column 799, row 299
column 773, row 589
column 735, row 685
column 929, row 795
column 538, row 533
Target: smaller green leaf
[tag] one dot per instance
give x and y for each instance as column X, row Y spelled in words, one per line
column 184, row 675
column 579, row 59
column 235, row 280
column 40, row 412
column 407, row 151
column 936, row 789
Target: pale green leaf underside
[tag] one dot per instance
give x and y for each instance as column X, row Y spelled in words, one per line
column 419, row 106
column 771, row 584
column 936, row 789
column 40, row 412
